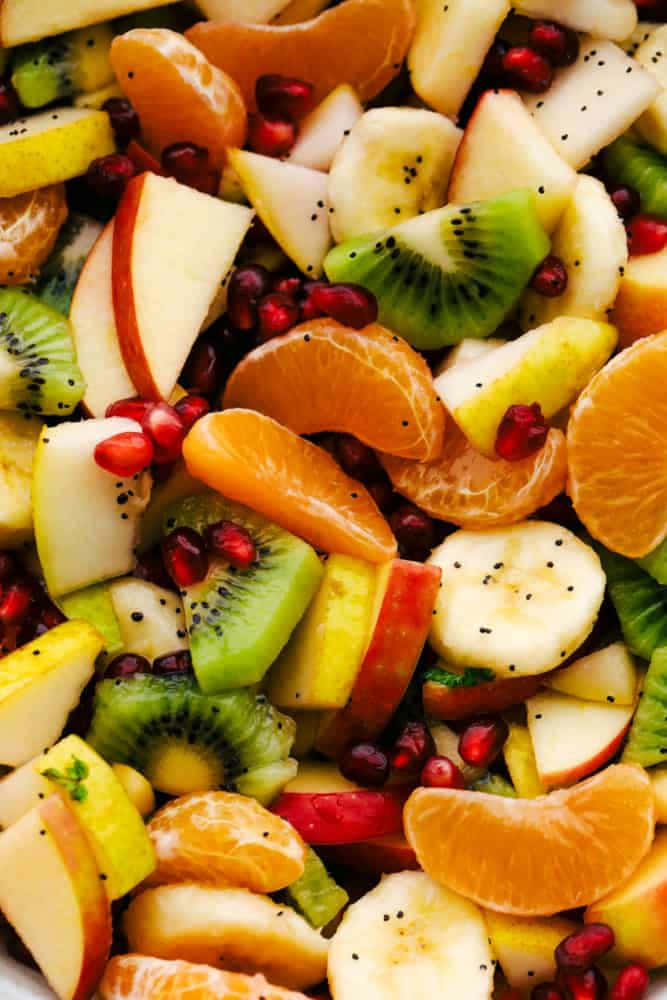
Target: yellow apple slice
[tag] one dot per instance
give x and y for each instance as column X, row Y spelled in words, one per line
column 29, row 20
column 524, row 946
column 607, row 675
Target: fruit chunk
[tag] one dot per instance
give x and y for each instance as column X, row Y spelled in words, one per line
column 362, row 382
column 93, row 605
column 168, row 236
column 30, row 224
column 451, row 696
column 137, row 788
column 646, row 743
column 524, row 946
column 617, row 483
column 233, row 928
column 315, row 895
column 150, row 618
column 486, row 846
column 253, row 460
column 549, row 366
column 641, row 304
column 40, row 684
column 520, row 762
column 30, row 20
column 57, row 68
column 628, row 162
column 608, row 675
column 324, row 129
column 614, row 19
column 377, row 856
column 18, row 443
column 59, row 275
column 517, row 600
column 324, row 51
column 652, row 126
column 52, row 895
column 237, row 10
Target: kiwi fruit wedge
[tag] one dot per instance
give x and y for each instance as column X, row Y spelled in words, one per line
column 647, row 741
column 239, row 620
column 315, row 895
column 63, row 66
column 655, row 563
column 38, row 369
column 452, row 273
column 59, row 275
column 640, row 603
column 185, row 741
column 641, row 167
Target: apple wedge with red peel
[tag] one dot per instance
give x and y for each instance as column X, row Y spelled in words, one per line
column 52, row 895
column 403, row 614
column 452, row 703
column 172, row 246
column 607, row 675
column 379, row 856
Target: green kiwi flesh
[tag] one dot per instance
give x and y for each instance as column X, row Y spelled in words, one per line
column 315, row 894
column 647, row 742
column 655, row 563
column 640, row 603
column 452, row 273
column 59, row 275
column 63, row 66
column 641, row 167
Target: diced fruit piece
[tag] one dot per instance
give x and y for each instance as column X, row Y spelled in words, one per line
column 520, row 762
column 608, row 675
column 319, row 665
column 40, row 684
column 151, row 619
column 315, row 895
column 76, row 507
column 537, row 574
column 231, row 928
column 325, row 51
column 409, row 930
column 30, row 224
column 254, row 460
column 57, row 68
column 59, row 275
column 571, row 737
column 52, row 895
column 447, row 293
column 29, row 20
column 393, row 165
column 137, row 788
column 377, row 856
column 93, row 605
column 592, row 244
column 444, row 31
column 172, row 237
column 640, row 603
column 524, row 946
column 336, row 371
column 451, row 696
column 529, row 161
column 592, row 102
column 235, row 739
column 239, row 620
column 614, row 19
column 617, row 483
column 467, row 350
column 550, row 365
column 648, row 734
column 485, row 846
column 641, row 304
column 51, row 147
column 324, row 129
column 652, row 126
column 18, row 443
column 237, row 10
column 642, row 168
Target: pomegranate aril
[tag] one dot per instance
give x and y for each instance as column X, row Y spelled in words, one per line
column 124, row 119
column 626, row 201
column 413, row 747
column 16, row 602
column 557, row 44
column 350, row 305
column 365, row 764
column 185, row 558
column 9, row 103
column 546, row 991
column 270, row 136
column 190, row 408
column 108, row 176
column 580, row 950
column 124, row 454
column 441, row 772
column 231, row 542
column 481, row 741
column 127, row 665
column 49, row 616
column 588, row 985
column 133, row 407
column 189, row 164
column 205, row 368
column 8, row 566
column 173, row 663
column 550, row 278
column 522, row 432
column 646, row 234
column 150, row 566
column 247, row 286
column 308, row 308
column 631, row 983
column 283, row 95
column 356, row 458
column 276, row 314
column 383, row 494
column 165, row 428
column 413, row 529
column 291, row 287
column 527, row 70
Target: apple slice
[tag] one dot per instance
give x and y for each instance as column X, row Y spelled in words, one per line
column 31, row 20
column 520, row 761
column 572, row 738
column 608, row 675
column 172, row 246
column 451, row 696
column 405, row 595
column 323, row 130
column 652, row 126
column 641, row 305
column 52, row 895
column 524, row 946
column 326, row 808
column 379, row 856
column 40, row 684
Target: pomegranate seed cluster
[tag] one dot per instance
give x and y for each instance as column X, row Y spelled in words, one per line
column 26, row 612
column 281, row 101
column 185, row 552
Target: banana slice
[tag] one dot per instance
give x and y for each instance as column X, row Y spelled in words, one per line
column 394, row 164
column 411, row 938
column 518, row 600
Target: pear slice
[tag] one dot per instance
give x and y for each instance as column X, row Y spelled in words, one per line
column 324, row 129
column 18, row 443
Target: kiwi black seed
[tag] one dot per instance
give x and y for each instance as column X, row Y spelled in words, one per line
column 640, row 603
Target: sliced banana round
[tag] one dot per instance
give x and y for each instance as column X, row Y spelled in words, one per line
column 518, row 600
column 411, row 938
column 394, row 164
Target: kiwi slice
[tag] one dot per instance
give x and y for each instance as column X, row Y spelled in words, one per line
column 59, row 275
column 647, row 742
column 38, row 369
column 63, row 66
column 640, row 603
column 494, row 784
column 184, row 741
column 655, row 563
column 641, row 167
column 239, row 620
column 315, row 894
column 452, row 273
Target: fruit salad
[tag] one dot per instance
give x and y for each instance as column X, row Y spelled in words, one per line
column 333, row 499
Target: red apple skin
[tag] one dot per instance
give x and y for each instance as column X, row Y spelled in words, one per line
column 379, row 856
column 395, row 647
column 451, row 704
column 343, row 817
column 142, row 159
column 569, row 776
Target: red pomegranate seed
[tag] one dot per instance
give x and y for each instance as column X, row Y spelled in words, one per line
column 522, row 431
column 247, row 286
column 270, row 136
column 191, row 408
column 283, row 95
column 557, row 44
column 291, row 287
column 413, row 747
column 50, row 616
column 365, row 764
column 481, row 741
column 165, row 428
column 646, row 234
column 185, row 557
column 205, row 368
column 9, row 103
column 350, row 305
column 231, row 542
column 276, row 315
column 127, row 665
column 108, row 176
column 441, row 772
column 550, row 278
column 124, row 119
column 588, row 985
column 626, row 200
column 527, row 70
column 15, row 603
column 8, row 566
column 190, row 165
column 308, row 308
column 546, row 991
column 414, row 530
column 356, row 458
column 134, row 407
column 582, row 949
column 631, row 983
column 124, row 454
column 179, row 662
column 150, row 567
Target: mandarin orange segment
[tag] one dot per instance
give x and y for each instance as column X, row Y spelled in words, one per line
column 466, row 488
column 178, row 94
column 29, row 224
column 255, row 460
column 535, row 857
column 360, row 42
column 616, row 441
column 138, row 977
column 326, row 377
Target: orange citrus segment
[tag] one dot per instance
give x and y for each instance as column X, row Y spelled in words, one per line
column 29, row 225
column 178, row 94
column 469, row 489
column 137, row 977
column 360, row 42
column 535, row 856
column 326, row 377
column 252, row 459
column 225, row 839
column 616, row 441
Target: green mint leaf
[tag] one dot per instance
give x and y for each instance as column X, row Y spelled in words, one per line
column 55, row 775
column 78, row 770
column 79, row 793
column 470, row 677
